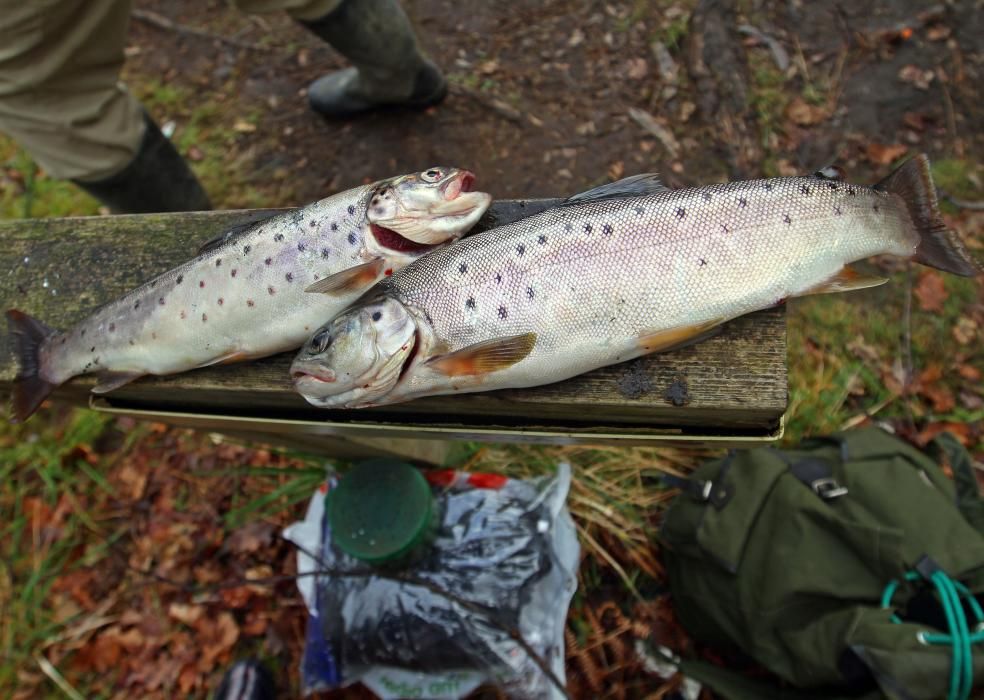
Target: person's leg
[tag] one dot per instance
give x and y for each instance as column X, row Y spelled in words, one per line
column 60, row 99
column 376, row 36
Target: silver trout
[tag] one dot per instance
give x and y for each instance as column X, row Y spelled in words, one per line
column 246, row 295
column 613, row 275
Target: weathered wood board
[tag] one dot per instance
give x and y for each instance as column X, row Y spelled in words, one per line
column 59, row 270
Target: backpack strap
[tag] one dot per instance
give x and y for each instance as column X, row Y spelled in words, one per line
column 716, row 490
column 817, row 474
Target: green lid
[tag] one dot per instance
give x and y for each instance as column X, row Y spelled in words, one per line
column 380, row 511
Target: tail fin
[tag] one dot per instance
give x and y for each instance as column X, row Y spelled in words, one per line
column 29, row 388
column 939, row 246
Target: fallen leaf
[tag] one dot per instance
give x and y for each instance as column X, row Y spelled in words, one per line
column 940, row 396
column 964, row 330
column 488, row 67
column 185, row 613
column 881, row 154
column 937, row 32
column 969, row 372
column 971, row 401
column 961, row 431
column 931, row 291
column 236, row 598
column 654, row 127
column 616, row 170
column 250, row 538
column 636, row 68
column 244, row 127
column 863, row 351
column 915, row 75
column 195, row 154
column 803, row 113
column 576, row 38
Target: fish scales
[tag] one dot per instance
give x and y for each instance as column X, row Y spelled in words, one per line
column 591, row 279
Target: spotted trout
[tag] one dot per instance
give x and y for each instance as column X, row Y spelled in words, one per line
column 247, row 293
column 613, row 274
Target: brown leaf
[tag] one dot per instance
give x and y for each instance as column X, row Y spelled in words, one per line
column 636, row 68
column 215, row 638
column 803, row 113
column 236, row 598
column 916, row 76
column 863, row 351
column 616, row 170
column 961, row 431
column 185, row 613
column 931, row 291
column 883, row 154
column 250, row 538
column 970, row 401
column 940, row 396
column 969, row 372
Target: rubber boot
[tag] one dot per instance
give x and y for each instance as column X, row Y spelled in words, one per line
column 157, row 179
column 388, row 68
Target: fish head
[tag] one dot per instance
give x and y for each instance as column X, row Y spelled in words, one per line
column 427, row 208
column 357, row 357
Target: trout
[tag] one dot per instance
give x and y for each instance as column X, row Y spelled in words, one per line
column 618, row 272
column 245, row 295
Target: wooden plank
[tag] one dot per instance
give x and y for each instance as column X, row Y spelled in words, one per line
column 59, row 270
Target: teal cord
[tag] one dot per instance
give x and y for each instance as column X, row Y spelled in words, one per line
column 959, row 639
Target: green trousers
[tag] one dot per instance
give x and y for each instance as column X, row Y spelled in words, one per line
column 60, row 94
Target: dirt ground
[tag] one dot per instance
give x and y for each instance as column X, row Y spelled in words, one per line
column 542, row 91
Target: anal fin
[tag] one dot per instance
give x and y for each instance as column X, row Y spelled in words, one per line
column 353, row 279
column 485, row 357
column 673, row 338
column 108, row 381
column 847, row 280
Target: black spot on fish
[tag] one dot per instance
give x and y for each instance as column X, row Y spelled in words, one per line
column 246, row 249
column 681, row 212
column 131, row 342
column 218, row 262
column 312, row 223
column 112, row 327
column 607, row 229
column 724, row 227
column 289, row 277
column 297, row 216
column 63, row 341
column 204, row 318
column 271, row 291
column 182, row 314
column 833, row 185
column 351, row 210
column 568, row 227
column 326, row 252
column 351, row 238
column 742, row 202
column 787, row 220
column 520, row 249
column 837, row 211
column 180, row 279
column 462, row 268
column 159, row 301
column 502, row 312
column 706, row 196
column 334, row 226
column 82, row 333
column 221, row 301
column 249, row 302
column 587, row 228
column 498, row 278
column 278, row 237
column 268, row 261
column 300, row 246
column 542, row 239
column 804, row 189
column 470, row 303
column 640, row 211
column 136, row 304
column 376, row 315
column 232, row 272
column 92, row 349
column 875, row 207
column 767, row 187
column 201, row 284
column 529, row 292
column 851, row 191
column 702, row 262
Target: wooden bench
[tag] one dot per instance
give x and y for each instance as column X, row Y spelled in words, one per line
column 731, row 388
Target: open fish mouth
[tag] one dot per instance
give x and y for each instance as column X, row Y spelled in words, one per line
column 390, row 239
column 463, row 182
column 325, row 378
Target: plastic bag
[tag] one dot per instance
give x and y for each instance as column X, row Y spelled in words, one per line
column 503, row 561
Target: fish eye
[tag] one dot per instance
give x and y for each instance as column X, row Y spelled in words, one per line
column 377, row 315
column 433, row 175
column 321, row 341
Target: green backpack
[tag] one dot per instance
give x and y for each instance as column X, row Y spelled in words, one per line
column 848, row 566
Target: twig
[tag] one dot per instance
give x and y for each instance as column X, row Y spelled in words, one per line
column 504, row 110
column 57, row 678
column 649, row 123
column 162, row 22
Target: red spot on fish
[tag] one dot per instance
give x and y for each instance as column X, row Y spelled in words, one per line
column 221, row 301
column 233, row 272
column 249, row 302
column 389, row 271
column 271, row 290
column 201, row 283
column 204, row 318
column 182, row 314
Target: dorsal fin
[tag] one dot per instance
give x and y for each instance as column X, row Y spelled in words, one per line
column 831, row 172
column 237, row 230
column 634, row 186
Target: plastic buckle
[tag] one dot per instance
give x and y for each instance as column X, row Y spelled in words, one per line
column 827, row 488
column 706, row 489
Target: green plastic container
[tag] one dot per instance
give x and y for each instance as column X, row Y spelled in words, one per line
column 382, row 512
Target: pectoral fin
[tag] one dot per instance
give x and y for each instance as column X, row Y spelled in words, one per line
column 108, row 381
column 234, row 232
column 673, row 338
column 847, row 280
column 354, row 279
column 485, row 357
